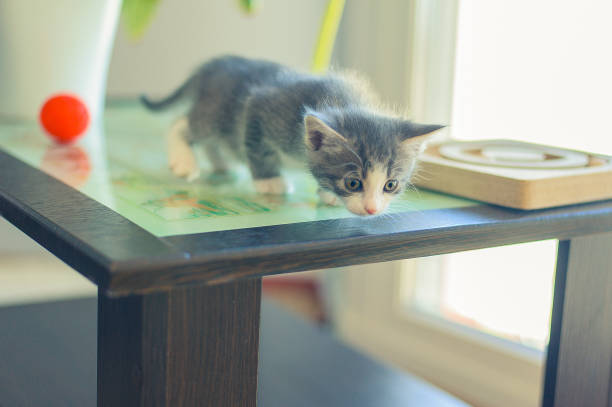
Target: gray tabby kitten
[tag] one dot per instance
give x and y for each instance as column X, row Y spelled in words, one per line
column 265, row 112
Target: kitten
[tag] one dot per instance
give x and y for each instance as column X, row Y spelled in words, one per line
column 264, row 112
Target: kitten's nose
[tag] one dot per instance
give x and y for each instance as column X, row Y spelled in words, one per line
column 371, row 210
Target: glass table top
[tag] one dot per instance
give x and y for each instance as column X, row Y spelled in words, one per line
column 122, row 164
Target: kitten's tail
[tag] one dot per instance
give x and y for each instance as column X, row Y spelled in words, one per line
column 178, row 94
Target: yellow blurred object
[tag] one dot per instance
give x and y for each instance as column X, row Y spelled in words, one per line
column 327, row 35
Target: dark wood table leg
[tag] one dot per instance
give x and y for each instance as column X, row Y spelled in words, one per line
column 187, row 347
column 579, row 363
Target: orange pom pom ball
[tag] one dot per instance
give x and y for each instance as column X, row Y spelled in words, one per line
column 64, row 117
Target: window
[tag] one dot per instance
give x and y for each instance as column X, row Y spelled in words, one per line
column 541, row 83
column 505, row 292
column 475, row 323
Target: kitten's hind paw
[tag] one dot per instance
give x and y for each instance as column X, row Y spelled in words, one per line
column 329, row 198
column 273, row 186
column 182, row 161
column 181, row 158
column 193, row 175
column 184, row 165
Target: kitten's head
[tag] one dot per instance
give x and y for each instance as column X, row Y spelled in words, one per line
column 364, row 158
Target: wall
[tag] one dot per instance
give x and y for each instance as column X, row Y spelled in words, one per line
column 375, row 39
column 184, row 34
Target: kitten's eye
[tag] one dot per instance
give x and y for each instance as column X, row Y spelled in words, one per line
column 352, row 184
column 391, row 185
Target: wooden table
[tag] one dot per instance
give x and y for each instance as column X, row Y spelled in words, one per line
column 179, row 315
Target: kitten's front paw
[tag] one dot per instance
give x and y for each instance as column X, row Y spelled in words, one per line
column 329, row 198
column 274, row 186
column 182, row 161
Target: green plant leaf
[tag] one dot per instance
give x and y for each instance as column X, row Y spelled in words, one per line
column 249, row 6
column 137, row 15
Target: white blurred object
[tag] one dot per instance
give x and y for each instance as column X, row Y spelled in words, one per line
column 48, row 47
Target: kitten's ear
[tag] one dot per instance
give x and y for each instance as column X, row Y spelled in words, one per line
column 412, row 130
column 414, row 136
column 319, row 135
